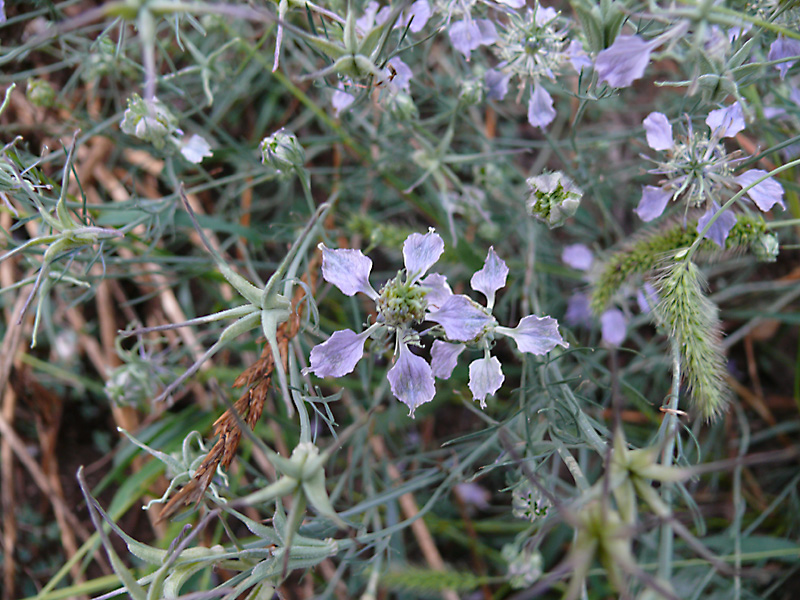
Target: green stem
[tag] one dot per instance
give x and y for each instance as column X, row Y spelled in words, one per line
column 667, row 432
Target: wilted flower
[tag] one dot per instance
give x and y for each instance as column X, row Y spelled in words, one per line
column 149, row 120
column 553, row 198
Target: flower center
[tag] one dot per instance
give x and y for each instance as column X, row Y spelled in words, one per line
column 401, row 302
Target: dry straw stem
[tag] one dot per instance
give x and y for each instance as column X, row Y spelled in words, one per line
column 256, row 380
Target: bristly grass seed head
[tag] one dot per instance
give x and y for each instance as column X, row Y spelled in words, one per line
column 692, row 321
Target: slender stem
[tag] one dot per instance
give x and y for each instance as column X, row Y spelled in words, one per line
column 667, row 432
column 783, row 223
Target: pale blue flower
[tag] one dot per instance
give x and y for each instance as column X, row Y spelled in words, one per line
column 540, row 107
column 401, row 303
column 341, row 100
column 782, row 49
column 726, row 122
column 613, row 326
column 578, row 57
column 496, row 84
column 658, row 131
column 653, row 202
column 624, row 61
column 485, row 378
column 463, row 320
column 444, row 357
column 195, row 149
column 647, row 297
column 579, row 311
column 766, row 194
column 468, row 35
column 718, row 232
column 411, row 379
column 577, row 256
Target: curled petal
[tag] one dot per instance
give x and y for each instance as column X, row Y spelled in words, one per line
column 624, row 61
column 578, row 57
column 540, row 107
column 766, row 194
column 726, row 122
column 339, row 355
column 654, row 201
column 485, row 378
column 577, row 256
column 348, row 270
column 444, row 357
column 468, row 35
column 718, row 232
column 537, row 335
column 658, row 130
column 411, row 380
column 420, row 252
column 496, row 84
column 491, row 277
column 438, row 289
column 418, row 15
column 781, row 49
column 461, row 318
column 613, row 325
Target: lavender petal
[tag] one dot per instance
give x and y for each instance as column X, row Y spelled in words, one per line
column 411, row 380
column 537, row 335
column 766, row 194
column 444, row 357
column 348, row 270
column 420, row 252
column 718, row 232
column 461, row 319
column 491, row 277
column 540, row 107
column 654, row 201
column 485, row 378
column 338, row 355
column 659, row 131
column 624, row 61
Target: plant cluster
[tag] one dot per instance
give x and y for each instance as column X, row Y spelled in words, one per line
column 203, row 206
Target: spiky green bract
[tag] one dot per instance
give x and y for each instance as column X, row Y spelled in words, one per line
column 692, row 323
column 428, row 581
column 647, row 252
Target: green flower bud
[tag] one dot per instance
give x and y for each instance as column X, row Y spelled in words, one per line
column 402, row 107
column 472, row 91
column 524, row 566
column 41, row 93
column 283, row 152
column 766, row 247
column 401, row 302
column 553, row 198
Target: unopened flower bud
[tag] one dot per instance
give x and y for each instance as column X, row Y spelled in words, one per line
column 283, row 152
column 149, row 120
column 553, row 198
column 402, row 107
